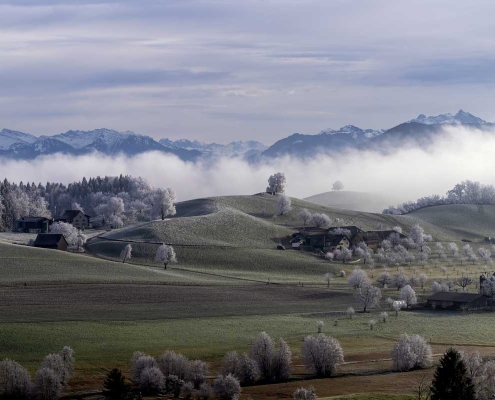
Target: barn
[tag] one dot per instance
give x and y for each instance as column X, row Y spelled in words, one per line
column 457, row 301
column 51, row 241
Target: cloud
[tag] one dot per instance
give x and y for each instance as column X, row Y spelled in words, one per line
column 407, row 174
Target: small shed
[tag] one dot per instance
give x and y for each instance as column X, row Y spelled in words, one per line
column 54, row 241
column 457, row 301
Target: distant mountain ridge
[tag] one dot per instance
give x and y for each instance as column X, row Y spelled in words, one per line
column 419, row 131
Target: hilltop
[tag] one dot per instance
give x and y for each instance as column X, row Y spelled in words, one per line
column 357, row 201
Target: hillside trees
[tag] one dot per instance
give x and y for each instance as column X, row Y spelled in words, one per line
column 276, row 183
column 166, row 255
column 304, row 215
column 320, row 220
column 242, row 367
column 126, row 253
column 368, row 296
column 358, row 278
column 408, row 295
column 337, row 186
column 15, row 380
column 163, row 203
column 274, row 361
column 227, row 387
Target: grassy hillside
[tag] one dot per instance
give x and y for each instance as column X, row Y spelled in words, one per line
column 462, row 221
column 357, row 201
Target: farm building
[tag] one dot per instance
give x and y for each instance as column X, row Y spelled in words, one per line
column 457, row 301
column 32, row 224
column 51, row 241
column 319, row 239
column 76, row 218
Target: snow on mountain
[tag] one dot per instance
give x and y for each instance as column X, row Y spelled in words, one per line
column 83, row 139
column 353, row 131
column 232, row 149
column 9, row 137
column 462, row 117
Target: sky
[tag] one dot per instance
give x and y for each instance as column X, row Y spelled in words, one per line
column 216, row 70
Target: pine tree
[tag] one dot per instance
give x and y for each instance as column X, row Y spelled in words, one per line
column 115, row 385
column 451, row 381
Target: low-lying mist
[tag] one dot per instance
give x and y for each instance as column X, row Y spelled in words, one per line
column 405, row 174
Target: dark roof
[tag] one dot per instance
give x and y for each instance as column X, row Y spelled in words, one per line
column 32, row 219
column 354, row 229
column 455, row 297
column 49, row 239
column 71, row 214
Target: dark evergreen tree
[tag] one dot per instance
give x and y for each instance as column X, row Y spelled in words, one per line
column 115, row 385
column 451, row 381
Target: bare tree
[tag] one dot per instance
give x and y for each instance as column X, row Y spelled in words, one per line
column 464, row 281
column 328, row 278
column 322, row 354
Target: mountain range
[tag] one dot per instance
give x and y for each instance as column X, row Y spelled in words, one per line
column 419, row 131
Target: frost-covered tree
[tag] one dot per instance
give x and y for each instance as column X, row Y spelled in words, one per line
column 322, row 354
column 337, row 186
column 350, row 312
column 422, row 280
column 399, row 279
column 70, row 232
column 305, row 216
column 384, row 279
column 197, row 372
column 276, row 183
column 166, row 255
column 151, row 381
column 171, row 363
column 163, row 203
column 488, row 288
column 282, row 361
column 358, row 278
column 454, row 250
column 328, row 277
column 227, row 387
column 439, row 287
column 368, row 296
column 411, row 352
column 242, row 367
column 320, row 220
column 308, row 393
column 484, row 254
column 139, row 363
column 284, row 204
column 464, row 281
column 112, row 210
column 46, row 385
column 344, row 254
column 408, row 295
column 384, row 316
column 15, row 380
column 262, row 352
column 126, row 253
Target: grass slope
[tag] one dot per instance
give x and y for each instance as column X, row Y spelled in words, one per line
column 349, row 200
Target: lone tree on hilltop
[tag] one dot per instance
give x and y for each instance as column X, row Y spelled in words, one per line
column 337, row 186
column 276, row 183
column 451, row 380
column 126, row 253
column 166, row 255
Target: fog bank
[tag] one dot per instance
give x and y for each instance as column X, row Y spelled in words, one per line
column 406, row 174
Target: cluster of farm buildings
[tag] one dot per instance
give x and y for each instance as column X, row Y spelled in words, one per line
column 41, row 226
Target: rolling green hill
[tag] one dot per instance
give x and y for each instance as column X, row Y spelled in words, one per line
column 357, row 201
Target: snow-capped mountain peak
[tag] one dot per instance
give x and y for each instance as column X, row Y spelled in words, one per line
column 353, row 131
column 462, row 117
column 9, row 137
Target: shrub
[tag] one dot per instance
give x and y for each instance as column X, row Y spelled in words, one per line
column 173, row 385
column 242, row 367
column 47, row 385
column 411, row 352
column 227, row 387
column 187, row 390
column 15, row 380
column 305, row 394
column 139, row 363
column 115, row 386
column 322, row 354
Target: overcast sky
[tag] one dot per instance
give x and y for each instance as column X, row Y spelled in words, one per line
column 218, row 70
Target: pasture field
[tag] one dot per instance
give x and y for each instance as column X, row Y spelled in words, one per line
column 230, row 284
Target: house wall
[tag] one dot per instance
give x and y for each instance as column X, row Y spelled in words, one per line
column 80, row 221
